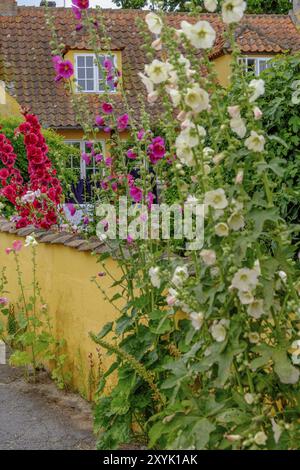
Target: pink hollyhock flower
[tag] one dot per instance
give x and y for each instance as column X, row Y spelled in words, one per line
column 107, row 108
column 8, row 250
column 130, row 240
column 114, row 186
column 81, row 4
column 71, row 208
column 100, row 121
column 108, row 161
column 156, row 150
column 98, row 158
column 136, row 194
column 150, row 199
column 17, row 245
column 131, row 154
column 3, row 301
column 108, row 65
column 4, row 173
column 140, row 134
column 86, row 158
column 122, row 122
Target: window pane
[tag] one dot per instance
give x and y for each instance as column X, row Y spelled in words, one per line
column 81, row 84
column 90, row 85
column 81, row 73
column 89, row 73
column 89, row 61
column 263, row 65
column 81, row 61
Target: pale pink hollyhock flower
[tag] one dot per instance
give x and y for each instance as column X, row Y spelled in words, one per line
column 257, row 113
column 233, row 111
column 239, row 177
column 8, row 250
column 17, row 245
column 152, row 97
column 157, row 44
column 3, row 301
column 181, row 116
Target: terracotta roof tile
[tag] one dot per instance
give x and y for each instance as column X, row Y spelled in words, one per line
column 25, row 54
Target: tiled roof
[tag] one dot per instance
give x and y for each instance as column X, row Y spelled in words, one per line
column 25, row 53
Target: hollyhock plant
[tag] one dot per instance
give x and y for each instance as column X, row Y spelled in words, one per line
column 208, row 332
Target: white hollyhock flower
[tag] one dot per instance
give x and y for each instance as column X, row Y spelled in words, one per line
column 239, row 177
column 234, row 111
column 260, row 438
column 157, row 71
column 296, row 352
column 257, row 113
column 282, row 275
column 209, row 257
column 218, row 332
column 277, row 430
column 257, row 267
column 147, row 82
column 256, row 309
column 249, row 398
column 154, row 274
column 180, row 275
column 258, row 86
column 185, row 153
column 255, row 142
column 222, row 230
column 190, row 134
column 197, row 320
column 246, row 297
column 157, row 44
column 218, row 158
column 197, row 98
column 216, row 199
column 245, row 279
column 254, row 337
column 154, row 23
column 211, row 5
column 236, row 221
column 174, row 95
column 30, row 241
column 238, row 126
column 201, row 35
column 233, row 10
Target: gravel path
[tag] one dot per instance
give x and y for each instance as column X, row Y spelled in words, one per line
column 38, row 416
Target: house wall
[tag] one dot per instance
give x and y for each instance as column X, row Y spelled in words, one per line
column 76, row 306
column 8, row 105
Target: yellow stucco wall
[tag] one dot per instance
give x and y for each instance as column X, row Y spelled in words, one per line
column 8, row 105
column 222, row 67
column 75, row 304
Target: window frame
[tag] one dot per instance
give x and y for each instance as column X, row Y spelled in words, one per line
column 244, row 60
column 96, row 71
column 82, row 149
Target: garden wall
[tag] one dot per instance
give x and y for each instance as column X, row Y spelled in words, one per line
column 65, row 266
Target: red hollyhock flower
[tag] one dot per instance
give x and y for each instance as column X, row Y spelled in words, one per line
column 81, row 4
column 4, row 173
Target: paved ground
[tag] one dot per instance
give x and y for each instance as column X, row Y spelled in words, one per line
column 38, row 416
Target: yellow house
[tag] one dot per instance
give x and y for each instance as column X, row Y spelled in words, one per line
column 26, row 65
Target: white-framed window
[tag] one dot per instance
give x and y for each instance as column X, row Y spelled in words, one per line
column 89, row 76
column 255, row 65
column 77, row 164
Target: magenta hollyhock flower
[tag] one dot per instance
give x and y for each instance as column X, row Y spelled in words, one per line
column 17, row 245
column 114, row 186
column 99, row 120
column 136, row 194
column 104, row 185
column 108, row 161
column 131, row 154
column 122, row 122
column 107, row 129
column 140, row 134
column 130, row 240
column 65, row 69
column 108, row 65
column 89, row 145
column 81, row 4
column 86, row 158
column 98, row 158
column 150, row 199
column 156, row 150
column 77, row 12
column 71, row 208
column 107, row 108
column 3, row 301
column 86, row 220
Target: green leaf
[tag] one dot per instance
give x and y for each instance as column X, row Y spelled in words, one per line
column 105, row 330
column 287, row 373
column 202, row 430
column 20, row 358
